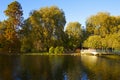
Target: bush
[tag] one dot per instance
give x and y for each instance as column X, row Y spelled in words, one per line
column 61, row 50
column 56, row 51
column 51, row 50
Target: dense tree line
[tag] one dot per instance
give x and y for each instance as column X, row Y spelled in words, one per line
column 103, row 31
column 44, row 30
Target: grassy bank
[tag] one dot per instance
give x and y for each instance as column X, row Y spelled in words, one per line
column 65, row 54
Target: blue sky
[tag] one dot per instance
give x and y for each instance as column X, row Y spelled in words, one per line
column 75, row 10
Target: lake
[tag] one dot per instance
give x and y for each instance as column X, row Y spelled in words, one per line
column 58, row 68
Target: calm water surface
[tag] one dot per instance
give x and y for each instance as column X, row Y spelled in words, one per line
column 58, row 68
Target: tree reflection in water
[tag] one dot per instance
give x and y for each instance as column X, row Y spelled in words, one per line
column 58, row 68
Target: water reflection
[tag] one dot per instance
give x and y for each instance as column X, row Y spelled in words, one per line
column 58, row 68
column 9, row 67
column 101, row 69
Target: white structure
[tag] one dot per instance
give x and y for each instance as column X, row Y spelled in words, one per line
column 89, row 51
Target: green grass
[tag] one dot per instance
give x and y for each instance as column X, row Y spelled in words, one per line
column 46, row 53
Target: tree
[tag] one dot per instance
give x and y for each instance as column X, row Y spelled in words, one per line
column 2, row 38
column 47, row 27
column 113, row 41
column 93, row 42
column 12, row 24
column 25, row 37
column 74, row 32
column 14, row 13
column 102, row 24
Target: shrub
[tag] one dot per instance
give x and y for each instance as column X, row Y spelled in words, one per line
column 56, row 51
column 61, row 50
column 51, row 50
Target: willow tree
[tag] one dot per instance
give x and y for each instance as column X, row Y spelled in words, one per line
column 74, row 32
column 47, row 27
column 13, row 23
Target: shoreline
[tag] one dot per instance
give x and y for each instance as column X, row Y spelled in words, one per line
column 47, row 54
column 112, row 56
column 42, row 54
column 63, row 54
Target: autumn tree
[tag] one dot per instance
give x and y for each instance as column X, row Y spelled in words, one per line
column 74, row 32
column 26, row 36
column 93, row 42
column 12, row 24
column 105, row 26
column 2, row 38
column 116, row 41
column 109, row 42
column 102, row 24
column 47, row 28
column 113, row 41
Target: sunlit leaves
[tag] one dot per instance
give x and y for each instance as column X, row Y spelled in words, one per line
column 74, row 32
column 46, row 27
column 11, row 27
column 111, row 41
column 14, row 13
column 102, row 24
column 93, row 42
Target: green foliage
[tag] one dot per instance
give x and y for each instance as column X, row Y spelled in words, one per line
column 110, row 41
column 51, row 50
column 74, row 32
column 26, row 38
column 113, row 41
column 93, row 42
column 57, row 50
column 105, row 26
column 74, row 29
column 61, row 50
column 102, row 24
column 47, row 28
column 26, row 44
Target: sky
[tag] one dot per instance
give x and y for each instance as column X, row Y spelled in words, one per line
column 75, row 10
